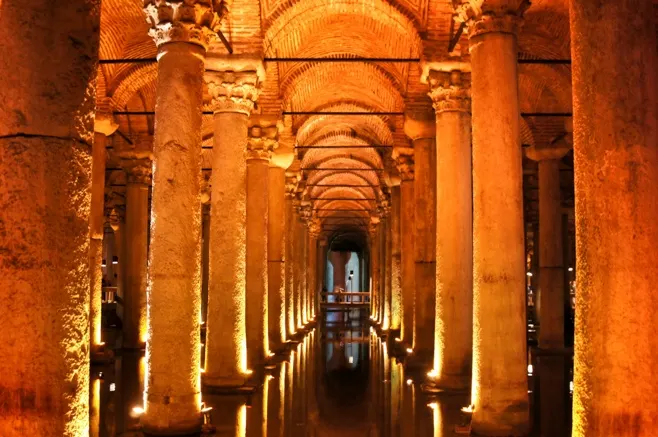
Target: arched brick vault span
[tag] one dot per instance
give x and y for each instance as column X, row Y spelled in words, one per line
column 340, row 28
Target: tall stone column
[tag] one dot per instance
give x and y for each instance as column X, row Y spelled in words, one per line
column 118, row 225
column 385, row 270
column 551, row 264
column 47, row 71
column 375, row 276
column 233, row 95
column 103, row 126
column 276, row 242
column 312, row 262
column 301, row 264
column 499, row 386
column 172, row 391
column 422, row 134
column 291, row 310
column 263, row 138
column 616, row 172
column 404, row 159
column 135, row 329
column 453, row 332
column 396, row 257
column 297, row 263
column 205, row 255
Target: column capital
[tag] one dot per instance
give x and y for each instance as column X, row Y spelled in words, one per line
column 104, row 123
column 498, row 16
column 189, row 21
column 263, row 138
column 314, row 227
column 138, row 170
column 450, row 91
column 116, row 217
column 291, row 185
column 420, row 126
column 556, row 150
column 404, row 161
column 232, row 91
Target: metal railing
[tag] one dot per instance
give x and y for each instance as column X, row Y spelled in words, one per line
column 345, row 298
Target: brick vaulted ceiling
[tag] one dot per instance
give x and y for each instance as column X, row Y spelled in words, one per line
column 405, row 29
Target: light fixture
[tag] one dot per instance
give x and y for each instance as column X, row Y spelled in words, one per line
column 530, row 369
column 138, row 411
column 468, row 409
column 351, row 360
column 113, row 386
column 409, row 350
column 104, row 263
column 529, row 274
column 248, row 372
column 432, row 373
column 398, row 339
column 115, row 260
column 410, row 381
column 570, row 269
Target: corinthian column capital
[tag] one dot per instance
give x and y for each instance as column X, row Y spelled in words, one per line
column 138, row 171
column 232, row 91
column 491, row 16
column 190, row 21
column 450, row 91
column 404, row 161
column 263, row 139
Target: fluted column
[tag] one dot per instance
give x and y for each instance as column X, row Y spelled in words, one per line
column 453, row 332
column 103, row 126
column 291, row 310
column 138, row 172
column 404, row 159
column 47, row 70
column 551, row 265
column 422, row 134
column 173, row 350
column 263, row 138
column 499, row 386
column 613, row 48
column 396, row 257
column 233, row 95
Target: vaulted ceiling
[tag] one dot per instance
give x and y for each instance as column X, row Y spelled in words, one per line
column 344, row 160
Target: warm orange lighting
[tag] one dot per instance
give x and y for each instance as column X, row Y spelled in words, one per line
column 398, row 339
column 468, row 410
column 530, row 369
column 248, row 372
column 138, row 411
column 410, row 381
column 409, row 350
column 432, row 373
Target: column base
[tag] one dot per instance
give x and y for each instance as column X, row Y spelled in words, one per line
column 453, row 385
column 223, row 385
column 130, row 347
column 101, row 354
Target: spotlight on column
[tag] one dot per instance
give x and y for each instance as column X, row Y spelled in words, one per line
column 104, row 263
column 248, row 372
column 113, row 386
column 410, row 381
column 530, row 369
column 529, row 273
column 398, row 339
column 409, row 350
column 432, row 373
column 570, row 269
column 115, row 260
column 467, row 410
column 433, row 405
column 137, row 411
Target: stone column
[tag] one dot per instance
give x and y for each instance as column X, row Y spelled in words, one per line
column 47, row 71
column 396, row 257
column 263, row 138
column 322, row 270
column 301, row 265
column 404, row 159
column 453, row 332
column 297, row 263
column 291, row 313
column 118, row 225
column 103, row 126
column 551, row 265
column 311, row 264
column 138, row 175
column 422, row 134
column 233, row 95
column 205, row 256
column 276, row 242
column 616, row 173
column 172, row 392
column 375, row 276
column 384, row 237
column 499, row 386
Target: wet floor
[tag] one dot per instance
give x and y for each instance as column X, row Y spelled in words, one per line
column 338, row 381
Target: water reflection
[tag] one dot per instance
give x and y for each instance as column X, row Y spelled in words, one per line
column 339, row 380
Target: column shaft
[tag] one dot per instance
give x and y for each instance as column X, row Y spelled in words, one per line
column 47, row 71
column 96, row 216
column 226, row 347
column 297, row 274
column 173, row 392
column 396, row 260
column 616, row 174
column 499, row 387
column 551, row 267
column 424, row 245
column 311, row 268
column 256, row 299
column 375, row 276
column 291, row 317
column 137, row 222
column 276, row 243
column 408, row 263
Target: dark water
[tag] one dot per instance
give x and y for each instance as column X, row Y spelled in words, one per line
column 339, row 381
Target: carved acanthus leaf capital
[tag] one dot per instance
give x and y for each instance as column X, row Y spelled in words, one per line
column 232, row 91
column 138, row 171
column 314, row 227
column 404, row 161
column 190, row 21
column 291, row 186
column 263, row 139
column 450, row 91
column 503, row 16
column 116, row 217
